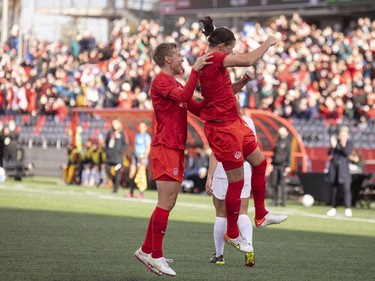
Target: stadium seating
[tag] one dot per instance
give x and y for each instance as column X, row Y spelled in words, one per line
column 314, row 133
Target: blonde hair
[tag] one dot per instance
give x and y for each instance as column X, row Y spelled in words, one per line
column 161, row 51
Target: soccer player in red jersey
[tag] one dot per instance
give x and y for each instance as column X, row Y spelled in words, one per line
column 230, row 139
column 170, row 100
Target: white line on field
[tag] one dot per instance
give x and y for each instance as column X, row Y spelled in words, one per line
column 287, row 211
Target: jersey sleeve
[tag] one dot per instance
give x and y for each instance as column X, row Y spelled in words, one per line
column 185, row 94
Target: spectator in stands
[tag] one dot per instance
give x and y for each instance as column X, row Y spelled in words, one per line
column 139, row 161
column 115, row 144
column 338, row 172
column 281, row 167
column 335, row 56
column 10, row 142
column 315, row 72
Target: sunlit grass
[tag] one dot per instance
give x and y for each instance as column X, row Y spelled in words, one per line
column 55, row 232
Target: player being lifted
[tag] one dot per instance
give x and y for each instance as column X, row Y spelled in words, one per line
column 230, row 139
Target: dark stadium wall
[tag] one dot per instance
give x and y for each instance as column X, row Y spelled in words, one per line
column 47, row 162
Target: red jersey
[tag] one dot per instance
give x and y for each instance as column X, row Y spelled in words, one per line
column 219, row 99
column 169, row 99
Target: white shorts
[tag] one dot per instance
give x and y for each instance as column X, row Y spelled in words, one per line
column 220, row 187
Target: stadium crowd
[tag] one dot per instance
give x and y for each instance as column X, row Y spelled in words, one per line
column 312, row 73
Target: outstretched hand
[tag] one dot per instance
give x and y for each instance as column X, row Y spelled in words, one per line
column 202, row 61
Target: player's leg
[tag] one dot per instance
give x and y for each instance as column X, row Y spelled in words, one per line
column 167, row 170
column 226, row 143
column 233, row 205
column 258, row 185
column 246, row 229
column 152, row 248
column 258, row 179
column 220, row 228
column 145, row 250
column 167, row 196
column 232, row 198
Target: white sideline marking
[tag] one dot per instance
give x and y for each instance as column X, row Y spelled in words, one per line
column 286, row 211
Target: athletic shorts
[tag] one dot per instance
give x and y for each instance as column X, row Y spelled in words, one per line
column 220, row 187
column 229, row 141
column 167, row 161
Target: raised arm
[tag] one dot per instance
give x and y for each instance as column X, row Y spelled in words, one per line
column 186, row 93
column 251, row 58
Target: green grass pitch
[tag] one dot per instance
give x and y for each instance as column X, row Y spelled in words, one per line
column 54, row 232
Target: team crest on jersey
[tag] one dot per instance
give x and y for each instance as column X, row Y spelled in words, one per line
column 237, row 154
column 175, row 171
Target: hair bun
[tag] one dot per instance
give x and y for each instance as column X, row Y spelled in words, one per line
column 208, row 26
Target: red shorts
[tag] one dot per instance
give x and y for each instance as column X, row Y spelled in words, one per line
column 168, row 162
column 229, row 141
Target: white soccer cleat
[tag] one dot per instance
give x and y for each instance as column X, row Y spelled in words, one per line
column 161, row 264
column 348, row 213
column 240, row 243
column 269, row 219
column 143, row 258
column 331, row 212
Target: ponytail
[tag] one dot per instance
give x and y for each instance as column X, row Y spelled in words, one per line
column 216, row 36
column 208, row 27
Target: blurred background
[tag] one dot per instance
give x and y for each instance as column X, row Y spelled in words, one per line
column 68, row 67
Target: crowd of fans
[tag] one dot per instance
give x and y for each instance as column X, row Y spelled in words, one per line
column 312, row 73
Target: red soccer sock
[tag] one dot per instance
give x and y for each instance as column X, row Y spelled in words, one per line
column 159, row 227
column 233, row 205
column 258, row 186
column 147, row 244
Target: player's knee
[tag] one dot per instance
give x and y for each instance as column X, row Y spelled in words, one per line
column 261, row 167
